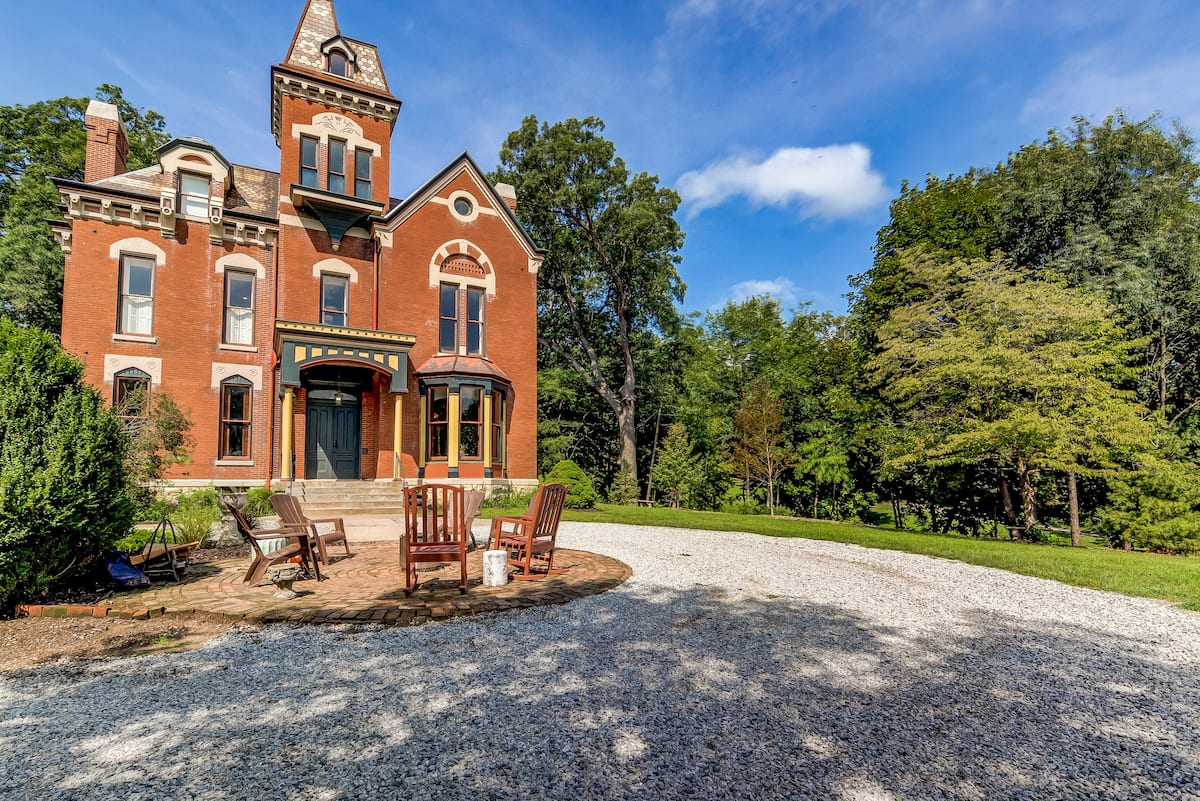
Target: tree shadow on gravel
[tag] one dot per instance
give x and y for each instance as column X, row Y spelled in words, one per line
column 640, row 693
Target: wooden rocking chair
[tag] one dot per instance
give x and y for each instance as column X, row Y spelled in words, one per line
column 434, row 531
column 291, row 515
column 530, row 537
column 273, row 546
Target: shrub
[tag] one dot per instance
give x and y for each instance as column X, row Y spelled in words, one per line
column 509, row 498
column 1156, row 509
column 65, row 495
column 195, row 514
column 580, row 492
column 258, row 503
column 624, row 489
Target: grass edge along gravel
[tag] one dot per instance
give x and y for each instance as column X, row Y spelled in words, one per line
column 1147, row 575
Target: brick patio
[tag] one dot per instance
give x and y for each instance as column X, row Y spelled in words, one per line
column 366, row 587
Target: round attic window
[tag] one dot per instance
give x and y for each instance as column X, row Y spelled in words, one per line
column 463, row 205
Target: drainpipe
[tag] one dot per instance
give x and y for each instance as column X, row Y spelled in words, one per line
column 274, row 360
column 378, row 257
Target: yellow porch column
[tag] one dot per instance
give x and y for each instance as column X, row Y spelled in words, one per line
column 285, row 440
column 422, row 430
column 453, row 412
column 397, row 434
column 487, row 432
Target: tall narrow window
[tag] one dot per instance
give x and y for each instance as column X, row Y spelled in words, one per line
column 131, row 397
column 362, row 174
column 193, row 195
column 498, row 412
column 337, row 166
column 448, row 319
column 137, row 296
column 474, row 321
column 470, row 433
column 308, row 162
column 236, row 406
column 333, row 299
column 439, row 422
column 239, row 308
column 338, row 65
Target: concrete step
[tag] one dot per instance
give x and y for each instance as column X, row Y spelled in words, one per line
column 353, row 508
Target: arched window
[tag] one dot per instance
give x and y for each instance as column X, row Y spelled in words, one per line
column 237, row 396
column 131, row 397
column 338, row 64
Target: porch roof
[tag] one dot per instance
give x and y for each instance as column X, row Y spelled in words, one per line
column 300, row 345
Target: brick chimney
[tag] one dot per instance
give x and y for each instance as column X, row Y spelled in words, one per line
column 107, row 142
column 508, row 194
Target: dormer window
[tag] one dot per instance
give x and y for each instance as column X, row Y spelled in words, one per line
column 338, row 64
column 193, row 195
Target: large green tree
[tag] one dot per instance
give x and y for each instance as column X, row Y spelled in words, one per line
column 37, row 142
column 609, row 280
column 994, row 367
column 1111, row 207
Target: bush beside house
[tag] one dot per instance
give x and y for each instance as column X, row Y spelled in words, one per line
column 65, row 494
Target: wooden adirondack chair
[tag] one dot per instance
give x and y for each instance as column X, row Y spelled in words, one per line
column 471, row 500
column 434, row 531
column 290, row 513
column 273, row 546
column 530, row 537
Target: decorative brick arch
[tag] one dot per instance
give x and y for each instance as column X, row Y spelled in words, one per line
column 462, row 262
column 136, row 245
column 241, row 261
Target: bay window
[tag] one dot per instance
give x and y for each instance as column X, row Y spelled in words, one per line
column 498, row 418
column 439, row 422
column 470, row 439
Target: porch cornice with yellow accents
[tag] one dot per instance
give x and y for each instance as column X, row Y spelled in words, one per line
column 300, row 345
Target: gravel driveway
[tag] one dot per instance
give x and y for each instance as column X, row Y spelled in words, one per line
column 729, row 666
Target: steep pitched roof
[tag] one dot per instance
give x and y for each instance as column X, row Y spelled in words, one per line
column 316, row 31
column 397, row 213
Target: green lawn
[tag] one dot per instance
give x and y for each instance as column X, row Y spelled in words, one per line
column 1171, row 578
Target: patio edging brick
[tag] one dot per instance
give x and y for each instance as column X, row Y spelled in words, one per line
column 377, row 579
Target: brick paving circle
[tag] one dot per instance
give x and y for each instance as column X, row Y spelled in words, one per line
column 366, row 587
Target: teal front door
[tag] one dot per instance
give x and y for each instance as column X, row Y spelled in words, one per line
column 332, row 437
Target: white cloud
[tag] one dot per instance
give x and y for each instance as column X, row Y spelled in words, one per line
column 782, row 289
column 832, row 181
column 1095, row 83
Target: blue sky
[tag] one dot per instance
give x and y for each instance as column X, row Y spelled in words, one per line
column 786, row 126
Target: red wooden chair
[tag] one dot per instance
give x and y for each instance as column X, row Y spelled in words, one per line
column 292, row 516
column 434, row 531
column 530, row 537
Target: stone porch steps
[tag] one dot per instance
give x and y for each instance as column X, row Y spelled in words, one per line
column 340, row 498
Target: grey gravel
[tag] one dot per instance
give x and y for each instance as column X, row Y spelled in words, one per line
column 729, row 666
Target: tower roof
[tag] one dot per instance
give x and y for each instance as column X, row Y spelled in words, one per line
column 317, row 34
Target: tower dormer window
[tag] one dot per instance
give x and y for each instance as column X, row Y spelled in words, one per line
column 338, row 64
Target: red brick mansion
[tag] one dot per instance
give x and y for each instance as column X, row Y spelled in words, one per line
column 311, row 325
